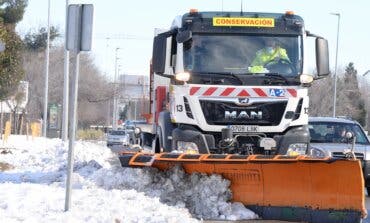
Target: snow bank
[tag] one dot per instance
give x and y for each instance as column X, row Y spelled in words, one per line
column 41, row 203
column 103, row 190
column 205, row 196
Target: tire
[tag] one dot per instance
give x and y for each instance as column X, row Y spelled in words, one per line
column 146, row 139
column 367, row 186
column 157, row 145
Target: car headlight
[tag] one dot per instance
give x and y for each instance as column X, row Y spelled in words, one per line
column 316, row 153
column 187, row 147
column 297, row 149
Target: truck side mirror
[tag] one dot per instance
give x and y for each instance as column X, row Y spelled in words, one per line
column 184, row 36
column 159, row 53
column 322, row 57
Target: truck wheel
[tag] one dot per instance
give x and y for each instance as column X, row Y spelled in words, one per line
column 156, row 145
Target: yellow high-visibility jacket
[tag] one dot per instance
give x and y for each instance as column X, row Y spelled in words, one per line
column 263, row 57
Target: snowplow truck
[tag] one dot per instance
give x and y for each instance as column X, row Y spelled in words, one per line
column 229, row 96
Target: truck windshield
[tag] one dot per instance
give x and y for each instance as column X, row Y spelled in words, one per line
column 244, row 54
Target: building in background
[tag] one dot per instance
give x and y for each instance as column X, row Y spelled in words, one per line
column 134, row 96
column 14, row 109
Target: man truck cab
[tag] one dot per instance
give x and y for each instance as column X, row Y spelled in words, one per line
column 215, row 103
column 213, row 113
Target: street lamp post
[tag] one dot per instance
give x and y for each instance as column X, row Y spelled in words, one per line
column 65, row 86
column 114, row 122
column 367, row 103
column 46, row 87
column 336, row 63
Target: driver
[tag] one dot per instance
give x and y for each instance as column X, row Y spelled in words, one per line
column 270, row 54
column 339, row 134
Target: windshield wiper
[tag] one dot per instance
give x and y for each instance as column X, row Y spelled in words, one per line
column 277, row 76
column 225, row 74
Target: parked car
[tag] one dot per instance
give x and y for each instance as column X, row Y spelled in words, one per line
column 130, row 126
column 117, row 137
column 328, row 138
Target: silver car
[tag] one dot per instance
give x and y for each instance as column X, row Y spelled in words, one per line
column 328, row 138
column 117, row 137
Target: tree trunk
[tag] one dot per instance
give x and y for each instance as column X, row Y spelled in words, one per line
column 20, row 123
column 15, row 122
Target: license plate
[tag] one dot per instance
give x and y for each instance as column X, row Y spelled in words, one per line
column 245, row 128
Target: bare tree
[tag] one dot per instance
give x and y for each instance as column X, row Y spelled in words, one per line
column 350, row 102
column 94, row 89
column 321, row 97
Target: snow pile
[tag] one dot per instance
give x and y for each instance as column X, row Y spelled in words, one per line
column 45, row 160
column 41, row 203
column 205, row 196
column 102, row 190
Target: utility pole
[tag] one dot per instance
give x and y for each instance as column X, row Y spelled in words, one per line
column 106, row 76
column 336, row 63
column 367, row 103
column 46, row 87
column 114, row 121
column 66, row 85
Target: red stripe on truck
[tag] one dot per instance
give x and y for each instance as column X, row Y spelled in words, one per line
column 209, row 91
column 260, row 92
column 227, row 91
column 194, row 90
column 292, row 92
column 243, row 93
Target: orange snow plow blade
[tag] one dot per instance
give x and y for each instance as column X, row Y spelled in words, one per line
column 288, row 188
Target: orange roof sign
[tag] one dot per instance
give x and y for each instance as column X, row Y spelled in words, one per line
column 255, row 22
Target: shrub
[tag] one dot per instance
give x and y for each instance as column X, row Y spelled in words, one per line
column 90, row 134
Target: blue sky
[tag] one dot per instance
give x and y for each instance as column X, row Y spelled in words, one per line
column 130, row 25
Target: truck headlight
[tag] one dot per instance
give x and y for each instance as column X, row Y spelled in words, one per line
column 187, row 147
column 306, row 78
column 297, row 149
column 182, row 76
column 317, row 153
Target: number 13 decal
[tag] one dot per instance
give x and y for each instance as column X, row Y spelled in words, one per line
column 179, row 108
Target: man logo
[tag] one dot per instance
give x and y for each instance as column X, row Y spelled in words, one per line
column 243, row 101
column 234, row 115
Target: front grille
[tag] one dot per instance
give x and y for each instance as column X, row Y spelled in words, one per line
column 268, row 113
column 341, row 155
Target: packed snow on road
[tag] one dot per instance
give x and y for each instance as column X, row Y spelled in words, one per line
column 33, row 176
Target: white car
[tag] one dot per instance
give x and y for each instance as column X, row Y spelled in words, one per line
column 117, row 137
column 328, row 139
